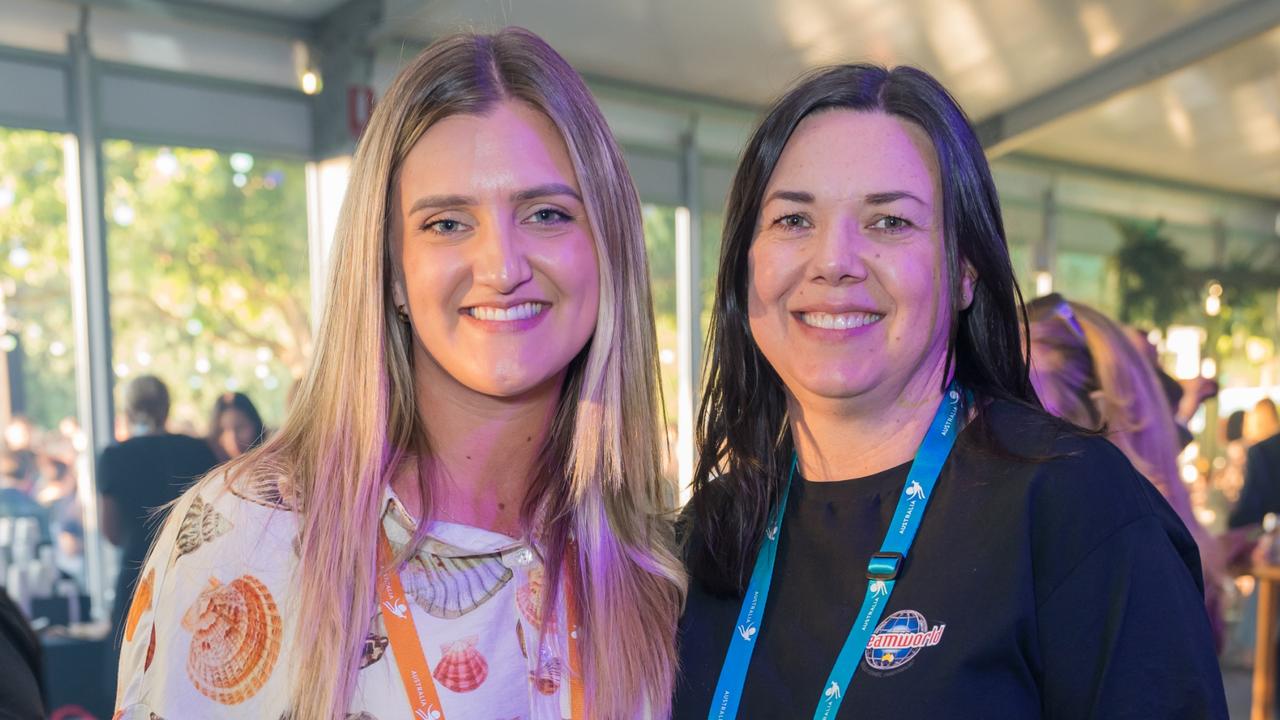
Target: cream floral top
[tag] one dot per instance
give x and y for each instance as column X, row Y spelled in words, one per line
column 211, row 627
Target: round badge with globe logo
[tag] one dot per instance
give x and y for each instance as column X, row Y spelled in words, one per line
column 899, row 638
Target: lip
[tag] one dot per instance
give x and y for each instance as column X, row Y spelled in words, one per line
column 505, row 326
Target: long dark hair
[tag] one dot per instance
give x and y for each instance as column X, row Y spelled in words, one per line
column 236, row 401
column 743, row 433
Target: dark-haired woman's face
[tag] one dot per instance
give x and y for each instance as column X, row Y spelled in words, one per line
column 236, row 432
column 847, row 287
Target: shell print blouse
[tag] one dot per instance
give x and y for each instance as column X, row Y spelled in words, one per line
column 210, row 630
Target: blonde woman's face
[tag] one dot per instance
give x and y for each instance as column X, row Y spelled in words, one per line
column 498, row 269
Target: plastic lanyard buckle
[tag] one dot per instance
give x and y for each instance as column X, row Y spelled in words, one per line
column 884, row 566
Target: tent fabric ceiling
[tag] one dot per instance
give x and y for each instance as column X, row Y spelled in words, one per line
column 1213, row 123
column 991, row 53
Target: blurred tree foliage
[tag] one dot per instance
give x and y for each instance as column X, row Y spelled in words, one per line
column 34, row 275
column 208, row 272
column 1155, row 284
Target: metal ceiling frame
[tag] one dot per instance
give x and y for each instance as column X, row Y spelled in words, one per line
column 1012, row 127
column 203, row 13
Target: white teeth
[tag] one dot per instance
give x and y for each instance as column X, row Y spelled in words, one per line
column 841, row 321
column 523, row 311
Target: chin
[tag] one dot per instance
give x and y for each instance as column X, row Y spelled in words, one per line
column 508, row 386
column 833, row 386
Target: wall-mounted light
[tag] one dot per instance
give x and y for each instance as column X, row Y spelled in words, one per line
column 311, row 82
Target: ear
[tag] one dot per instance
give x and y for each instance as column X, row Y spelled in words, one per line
column 968, row 282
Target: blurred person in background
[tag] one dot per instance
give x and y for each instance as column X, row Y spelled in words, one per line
column 57, row 488
column 1086, row 370
column 1261, row 422
column 17, row 480
column 235, row 426
column 1185, row 396
column 1260, row 493
column 139, row 476
column 1230, row 479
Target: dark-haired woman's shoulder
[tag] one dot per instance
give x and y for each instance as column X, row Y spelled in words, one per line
column 1116, row 577
column 1081, row 488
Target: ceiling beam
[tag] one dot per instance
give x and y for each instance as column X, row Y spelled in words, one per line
column 216, row 16
column 1011, row 128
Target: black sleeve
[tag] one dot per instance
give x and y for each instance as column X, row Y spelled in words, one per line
column 1125, row 634
column 20, row 658
column 1253, row 502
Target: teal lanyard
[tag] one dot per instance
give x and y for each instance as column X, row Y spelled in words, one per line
column 882, row 571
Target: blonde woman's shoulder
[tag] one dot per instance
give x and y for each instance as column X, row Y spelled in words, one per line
column 208, row 629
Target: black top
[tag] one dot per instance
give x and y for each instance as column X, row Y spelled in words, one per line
column 1261, row 491
column 142, row 474
column 20, row 660
column 1060, row 589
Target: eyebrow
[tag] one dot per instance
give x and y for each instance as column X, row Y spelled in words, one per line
column 428, row 202
column 792, row 195
column 880, row 198
column 884, row 198
column 547, row 190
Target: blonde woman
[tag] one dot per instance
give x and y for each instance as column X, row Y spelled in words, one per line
column 453, row 521
column 1086, row 369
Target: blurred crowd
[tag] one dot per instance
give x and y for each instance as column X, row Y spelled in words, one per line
column 42, row 503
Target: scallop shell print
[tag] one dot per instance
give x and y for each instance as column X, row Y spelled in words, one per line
column 462, row 668
column 546, row 677
column 141, row 603
column 529, row 598
column 375, row 643
column 151, row 650
column 235, row 639
column 201, row 524
column 262, row 491
column 450, row 587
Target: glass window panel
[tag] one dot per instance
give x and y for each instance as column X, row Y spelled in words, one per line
column 43, row 453
column 208, row 267
column 660, row 241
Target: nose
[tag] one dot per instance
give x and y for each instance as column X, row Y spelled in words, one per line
column 838, row 254
column 500, row 262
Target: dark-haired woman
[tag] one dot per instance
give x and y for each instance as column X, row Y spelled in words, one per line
column 236, row 427
column 885, row 521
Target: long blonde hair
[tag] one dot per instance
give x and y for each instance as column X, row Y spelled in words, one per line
column 355, row 419
column 1086, row 369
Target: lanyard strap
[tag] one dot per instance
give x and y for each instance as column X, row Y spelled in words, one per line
column 733, row 674
column 882, row 571
column 402, row 632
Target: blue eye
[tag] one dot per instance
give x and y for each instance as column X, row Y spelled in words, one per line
column 443, row 227
column 550, row 216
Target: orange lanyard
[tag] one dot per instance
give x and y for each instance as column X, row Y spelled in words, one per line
column 402, row 632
